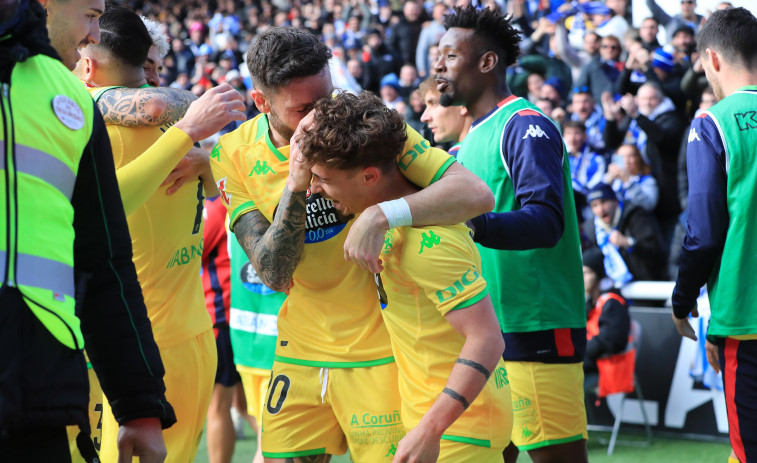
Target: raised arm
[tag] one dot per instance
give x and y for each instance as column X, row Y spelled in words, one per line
column 478, row 358
column 133, row 107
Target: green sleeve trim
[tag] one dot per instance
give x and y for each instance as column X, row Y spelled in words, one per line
column 241, row 209
column 547, row 443
column 468, row 440
column 89, row 365
column 472, row 300
column 321, row 364
column 304, row 453
column 100, row 92
column 442, row 169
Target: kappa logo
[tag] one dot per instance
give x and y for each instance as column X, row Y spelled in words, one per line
column 392, row 450
column 693, row 135
column 430, row 239
column 261, row 168
column 216, row 153
column 747, row 120
column 534, row 131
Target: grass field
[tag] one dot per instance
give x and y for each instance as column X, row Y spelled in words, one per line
column 661, row 451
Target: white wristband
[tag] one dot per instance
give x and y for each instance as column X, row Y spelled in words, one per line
column 397, row 213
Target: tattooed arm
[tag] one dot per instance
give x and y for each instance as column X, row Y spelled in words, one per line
column 274, row 249
column 132, row 107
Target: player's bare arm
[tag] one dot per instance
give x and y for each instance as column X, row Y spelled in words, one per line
column 274, row 249
column 457, row 196
column 132, row 107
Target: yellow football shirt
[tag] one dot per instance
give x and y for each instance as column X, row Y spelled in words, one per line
column 166, row 235
column 331, row 317
column 427, row 273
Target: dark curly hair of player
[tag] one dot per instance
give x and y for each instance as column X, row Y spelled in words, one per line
column 281, row 54
column 495, row 31
column 354, row 131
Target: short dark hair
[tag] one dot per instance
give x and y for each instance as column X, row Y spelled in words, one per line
column 281, row 54
column 495, row 30
column 573, row 125
column 124, row 36
column 351, row 131
column 732, row 33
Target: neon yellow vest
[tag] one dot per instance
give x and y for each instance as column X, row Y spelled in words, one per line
column 47, row 123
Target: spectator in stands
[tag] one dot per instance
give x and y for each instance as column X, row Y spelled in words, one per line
column 684, row 45
column 606, row 21
column 628, row 236
column 601, row 74
column 648, row 34
column 654, row 125
column 408, row 80
column 632, row 179
column 405, row 33
column 585, row 109
column 687, row 17
column 587, row 168
column 534, row 83
column 390, row 91
column 430, row 35
column 553, row 89
column 379, row 61
column 607, row 321
column 575, row 58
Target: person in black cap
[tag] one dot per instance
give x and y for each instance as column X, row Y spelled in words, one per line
column 628, row 236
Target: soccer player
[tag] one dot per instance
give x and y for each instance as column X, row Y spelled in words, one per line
column 166, row 230
column 719, row 244
column 334, row 376
column 444, row 333
column 529, row 245
column 447, row 124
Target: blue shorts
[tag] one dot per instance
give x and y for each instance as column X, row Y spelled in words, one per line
column 226, row 374
column 738, row 362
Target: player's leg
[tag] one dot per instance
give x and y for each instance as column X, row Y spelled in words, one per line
column 738, row 362
column 549, row 411
column 220, row 432
column 367, row 403
column 459, row 452
column 255, row 384
column 298, row 421
column 190, row 368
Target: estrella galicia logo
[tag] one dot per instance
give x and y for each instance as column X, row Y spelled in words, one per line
column 252, row 282
column 323, row 221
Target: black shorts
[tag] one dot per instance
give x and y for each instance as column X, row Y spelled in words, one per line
column 226, row 374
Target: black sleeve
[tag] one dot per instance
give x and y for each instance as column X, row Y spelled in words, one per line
column 117, row 333
column 614, row 326
column 643, row 228
column 614, row 133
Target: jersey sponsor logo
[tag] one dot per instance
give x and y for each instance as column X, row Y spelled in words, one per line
column 429, row 240
column 459, row 285
column 747, row 120
column 323, row 221
column 251, row 322
column 185, row 255
column 221, row 184
column 411, row 155
column 371, row 420
column 534, row 131
column 693, row 135
column 261, row 168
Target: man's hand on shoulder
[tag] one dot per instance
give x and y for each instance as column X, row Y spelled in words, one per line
column 141, row 438
column 212, row 111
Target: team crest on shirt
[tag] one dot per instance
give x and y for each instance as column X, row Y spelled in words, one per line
column 221, row 184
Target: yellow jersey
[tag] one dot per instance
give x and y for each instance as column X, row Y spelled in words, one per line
column 331, row 317
column 427, row 273
column 166, row 235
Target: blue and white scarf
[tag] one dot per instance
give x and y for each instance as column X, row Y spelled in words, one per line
column 615, row 266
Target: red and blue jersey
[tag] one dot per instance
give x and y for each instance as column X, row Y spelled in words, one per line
column 216, row 270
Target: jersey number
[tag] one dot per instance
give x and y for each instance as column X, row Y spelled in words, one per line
column 97, row 440
column 285, row 383
column 198, row 216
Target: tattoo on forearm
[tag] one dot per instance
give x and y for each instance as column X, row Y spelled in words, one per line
column 455, row 395
column 309, row 459
column 128, row 106
column 476, row 366
column 275, row 249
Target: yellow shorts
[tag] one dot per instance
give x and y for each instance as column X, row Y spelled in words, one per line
column 313, row 410
column 95, row 418
column 459, row 452
column 255, row 383
column 548, row 403
column 190, row 373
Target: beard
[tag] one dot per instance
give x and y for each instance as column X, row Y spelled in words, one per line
column 279, row 126
column 445, row 100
